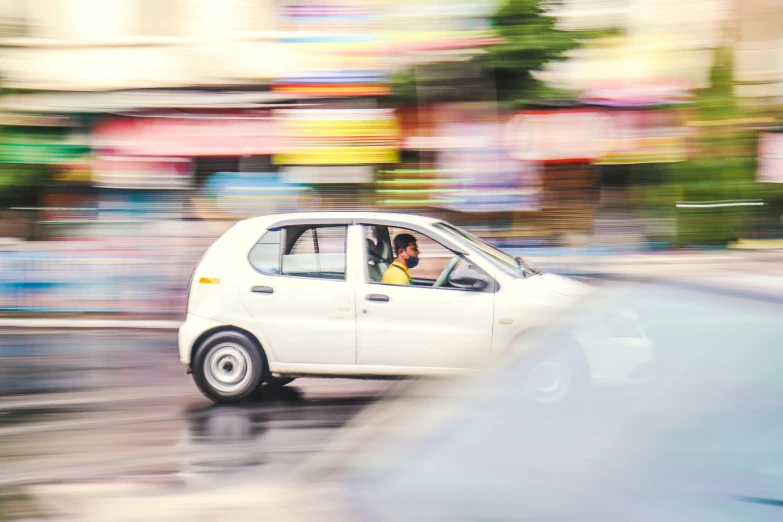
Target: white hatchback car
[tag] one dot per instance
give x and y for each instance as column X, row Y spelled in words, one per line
column 282, row 296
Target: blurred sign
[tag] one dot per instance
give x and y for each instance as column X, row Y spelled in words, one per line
column 771, row 157
column 34, row 120
column 74, row 173
column 337, row 137
column 335, row 47
column 142, row 172
column 595, row 136
column 645, row 136
column 555, row 136
column 32, row 149
column 488, row 178
column 251, row 193
column 328, row 16
column 333, row 174
column 638, row 92
column 206, row 135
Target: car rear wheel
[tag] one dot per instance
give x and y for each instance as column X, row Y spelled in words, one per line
column 228, row 367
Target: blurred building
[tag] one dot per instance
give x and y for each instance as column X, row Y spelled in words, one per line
column 89, row 45
column 154, row 124
column 223, row 109
column 758, row 56
column 667, row 38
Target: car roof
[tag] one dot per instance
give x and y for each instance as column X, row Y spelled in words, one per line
column 380, row 216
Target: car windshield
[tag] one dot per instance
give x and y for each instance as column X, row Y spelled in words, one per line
column 515, row 267
column 679, row 417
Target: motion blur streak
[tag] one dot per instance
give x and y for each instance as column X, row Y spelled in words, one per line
column 601, row 139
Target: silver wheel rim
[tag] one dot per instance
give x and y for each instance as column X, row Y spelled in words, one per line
column 548, row 380
column 228, row 368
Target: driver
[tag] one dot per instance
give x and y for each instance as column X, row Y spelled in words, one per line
column 407, row 253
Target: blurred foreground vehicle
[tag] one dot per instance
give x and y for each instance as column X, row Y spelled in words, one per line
column 282, row 296
column 695, row 436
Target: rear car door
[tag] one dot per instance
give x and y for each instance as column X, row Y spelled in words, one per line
column 299, row 294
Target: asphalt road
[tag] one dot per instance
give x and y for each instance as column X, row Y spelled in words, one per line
column 116, row 405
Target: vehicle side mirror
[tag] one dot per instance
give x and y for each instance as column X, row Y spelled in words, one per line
column 468, row 278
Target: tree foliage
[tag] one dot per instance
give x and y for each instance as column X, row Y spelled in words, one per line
column 530, row 39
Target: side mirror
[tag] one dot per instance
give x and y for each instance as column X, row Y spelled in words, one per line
column 468, row 278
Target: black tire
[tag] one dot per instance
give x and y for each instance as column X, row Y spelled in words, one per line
column 279, row 382
column 228, row 367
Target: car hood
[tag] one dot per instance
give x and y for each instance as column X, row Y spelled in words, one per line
column 559, row 285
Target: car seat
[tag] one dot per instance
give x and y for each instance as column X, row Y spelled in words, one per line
column 378, row 259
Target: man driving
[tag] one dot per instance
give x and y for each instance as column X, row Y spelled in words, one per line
column 407, row 257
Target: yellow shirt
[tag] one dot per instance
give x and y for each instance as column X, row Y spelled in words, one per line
column 397, row 274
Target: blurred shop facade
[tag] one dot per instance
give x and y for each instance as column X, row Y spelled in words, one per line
column 142, row 130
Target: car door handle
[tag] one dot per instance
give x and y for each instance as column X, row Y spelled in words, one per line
column 263, row 290
column 378, row 297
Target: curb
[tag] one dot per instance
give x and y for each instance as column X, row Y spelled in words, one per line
column 112, row 324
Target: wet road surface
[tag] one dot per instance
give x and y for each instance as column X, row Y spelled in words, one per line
column 116, row 405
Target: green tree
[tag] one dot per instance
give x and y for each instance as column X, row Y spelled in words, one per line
column 723, row 167
column 530, row 39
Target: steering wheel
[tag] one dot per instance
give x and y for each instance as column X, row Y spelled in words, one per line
column 444, row 276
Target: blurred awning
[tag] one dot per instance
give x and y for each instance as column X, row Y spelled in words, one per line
column 118, row 101
column 245, row 133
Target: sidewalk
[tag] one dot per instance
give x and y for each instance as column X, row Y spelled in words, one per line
column 58, row 321
column 580, row 263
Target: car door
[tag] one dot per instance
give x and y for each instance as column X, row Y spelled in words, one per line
column 299, row 294
column 421, row 327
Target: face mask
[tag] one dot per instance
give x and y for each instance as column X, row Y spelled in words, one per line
column 412, row 261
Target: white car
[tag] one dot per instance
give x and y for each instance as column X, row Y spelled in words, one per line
column 283, row 296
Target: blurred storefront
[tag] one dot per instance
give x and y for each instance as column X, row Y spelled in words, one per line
column 542, row 172
column 200, row 159
column 771, row 157
column 337, row 151
column 37, row 151
column 154, row 115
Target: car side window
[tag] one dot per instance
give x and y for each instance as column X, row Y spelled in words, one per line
column 436, row 262
column 317, row 252
column 433, row 257
column 265, row 255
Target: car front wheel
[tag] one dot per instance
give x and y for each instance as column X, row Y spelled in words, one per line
column 555, row 377
column 228, row 367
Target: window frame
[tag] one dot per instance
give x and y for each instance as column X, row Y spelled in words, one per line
column 464, row 256
column 305, row 225
column 279, row 250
